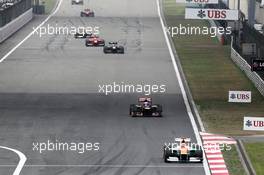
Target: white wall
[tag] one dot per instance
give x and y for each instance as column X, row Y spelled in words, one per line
column 13, row 26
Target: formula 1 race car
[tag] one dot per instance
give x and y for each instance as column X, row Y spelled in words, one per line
column 82, row 35
column 94, row 40
column 183, row 151
column 114, row 47
column 79, row 2
column 87, row 13
column 145, row 108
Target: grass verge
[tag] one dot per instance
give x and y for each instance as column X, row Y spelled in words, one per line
column 233, row 162
column 211, row 74
column 255, row 153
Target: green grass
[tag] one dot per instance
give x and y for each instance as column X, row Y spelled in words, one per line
column 233, row 162
column 211, row 74
column 49, row 5
column 256, row 156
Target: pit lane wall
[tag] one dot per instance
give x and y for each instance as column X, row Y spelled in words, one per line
column 245, row 67
column 13, row 26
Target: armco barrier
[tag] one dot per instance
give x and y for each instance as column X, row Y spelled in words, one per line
column 244, row 66
column 15, row 25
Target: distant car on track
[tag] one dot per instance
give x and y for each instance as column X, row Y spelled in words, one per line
column 82, row 35
column 87, row 13
column 145, row 108
column 114, row 47
column 183, row 151
column 79, row 2
column 94, row 40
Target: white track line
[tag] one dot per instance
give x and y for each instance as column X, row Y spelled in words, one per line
column 186, row 102
column 22, row 160
column 29, row 35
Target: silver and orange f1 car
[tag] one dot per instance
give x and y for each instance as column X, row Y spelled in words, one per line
column 182, row 150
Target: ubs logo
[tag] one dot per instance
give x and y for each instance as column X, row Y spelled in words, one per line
column 212, row 14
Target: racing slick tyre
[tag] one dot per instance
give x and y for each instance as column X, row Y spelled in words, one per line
column 165, row 155
column 159, row 110
column 199, row 153
column 121, row 50
column 91, row 15
column 132, row 110
column 87, row 44
column 106, row 50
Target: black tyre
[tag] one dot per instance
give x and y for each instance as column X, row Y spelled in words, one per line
column 122, row 50
column 106, row 50
column 165, row 155
column 132, row 110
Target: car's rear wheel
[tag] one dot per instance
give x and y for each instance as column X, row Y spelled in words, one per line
column 165, row 155
column 92, row 15
column 106, row 50
column 132, row 110
column 87, row 44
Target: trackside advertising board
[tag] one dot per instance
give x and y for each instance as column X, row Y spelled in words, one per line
column 257, row 65
column 254, row 123
column 239, row 96
column 198, row 1
column 214, row 14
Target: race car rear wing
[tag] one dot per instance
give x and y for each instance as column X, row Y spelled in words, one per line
column 181, row 139
column 112, row 42
column 142, row 99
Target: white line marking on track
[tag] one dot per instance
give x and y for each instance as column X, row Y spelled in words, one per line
column 22, row 160
column 30, row 34
column 186, row 102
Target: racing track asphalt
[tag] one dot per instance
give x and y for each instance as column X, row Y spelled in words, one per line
column 49, row 90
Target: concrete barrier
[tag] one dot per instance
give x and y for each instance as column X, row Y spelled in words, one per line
column 13, row 26
column 244, row 66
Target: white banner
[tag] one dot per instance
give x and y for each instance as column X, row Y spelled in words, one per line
column 239, row 96
column 254, row 123
column 198, row 1
column 214, row 14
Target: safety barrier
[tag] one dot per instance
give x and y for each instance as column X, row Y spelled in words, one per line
column 244, row 66
column 15, row 25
